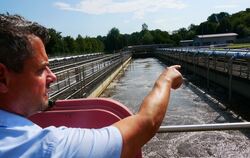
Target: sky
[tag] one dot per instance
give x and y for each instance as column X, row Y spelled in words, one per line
column 97, row 17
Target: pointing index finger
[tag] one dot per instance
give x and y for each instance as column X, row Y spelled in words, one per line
column 176, row 66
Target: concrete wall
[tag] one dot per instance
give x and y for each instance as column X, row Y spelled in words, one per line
column 238, row 85
column 102, row 86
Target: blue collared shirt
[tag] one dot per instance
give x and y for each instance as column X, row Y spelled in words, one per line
column 20, row 137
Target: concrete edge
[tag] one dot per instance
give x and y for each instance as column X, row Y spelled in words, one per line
column 98, row 91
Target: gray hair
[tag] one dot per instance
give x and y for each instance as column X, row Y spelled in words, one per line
column 15, row 47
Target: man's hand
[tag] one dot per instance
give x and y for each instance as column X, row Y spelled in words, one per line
column 173, row 75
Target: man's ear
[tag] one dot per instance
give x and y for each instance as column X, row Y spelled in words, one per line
column 3, row 78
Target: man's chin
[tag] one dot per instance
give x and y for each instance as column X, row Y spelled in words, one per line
column 44, row 105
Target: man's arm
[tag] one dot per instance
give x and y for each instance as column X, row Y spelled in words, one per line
column 136, row 130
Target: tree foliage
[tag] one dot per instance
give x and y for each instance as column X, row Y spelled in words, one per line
column 55, row 44
column 59, row 45
column 114, row 41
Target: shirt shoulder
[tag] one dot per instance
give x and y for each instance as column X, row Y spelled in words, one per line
column 21, row 137
column 77, row 142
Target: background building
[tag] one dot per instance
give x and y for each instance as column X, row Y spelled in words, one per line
column 214, row 39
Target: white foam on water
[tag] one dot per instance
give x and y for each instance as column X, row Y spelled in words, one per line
column 186, row 107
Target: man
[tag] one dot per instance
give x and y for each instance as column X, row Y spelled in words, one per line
column 24, row 82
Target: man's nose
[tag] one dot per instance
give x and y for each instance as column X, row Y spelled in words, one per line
column 51, row 75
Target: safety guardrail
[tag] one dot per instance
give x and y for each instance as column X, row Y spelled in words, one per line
column 235, row 63
column 213, row 64
column 204, row 127
column 59, row 62
column 79, row 79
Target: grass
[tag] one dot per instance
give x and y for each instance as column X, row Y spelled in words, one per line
column 240, row 45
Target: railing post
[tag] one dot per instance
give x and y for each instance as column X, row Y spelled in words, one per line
column 208, row 68
column 248, row 69
column 230, row 71
column 186, row 55
column 225, row 61
column 82, row 81
column 68, row 78
column 215, row 62
column 77, row 74
column 58, row 86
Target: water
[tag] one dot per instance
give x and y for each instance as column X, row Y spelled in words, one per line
column 186, row 107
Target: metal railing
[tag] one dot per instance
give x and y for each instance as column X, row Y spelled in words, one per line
column 69, row 63
column 205, row 127
column 230, row 69
column 235, row 63
column 78, row 80
column 62, row 61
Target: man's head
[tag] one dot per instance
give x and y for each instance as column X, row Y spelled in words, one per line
column 14, row 44
column 24, row 73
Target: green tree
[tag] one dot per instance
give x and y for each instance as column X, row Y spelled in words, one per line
column 207, row 28
column 70, row 46
column 100, row 45
column 247, row 20
column 242, row 31
column 134, row 39
column 193, row 27
column 217, row 18
column 113, row 41
column 147, row 38
column 183, row 33
column 224, row 26
column 241, row 23
column 192, row 31
column 176, row 37
column 80, row 44
column 160, row 37
column 55, row 44
column 88, row 44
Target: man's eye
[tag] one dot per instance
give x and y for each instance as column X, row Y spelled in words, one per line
column 40, row 71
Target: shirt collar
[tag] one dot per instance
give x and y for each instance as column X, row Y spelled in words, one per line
column 8, row 119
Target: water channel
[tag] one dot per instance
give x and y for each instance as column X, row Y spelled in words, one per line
column 186, row 107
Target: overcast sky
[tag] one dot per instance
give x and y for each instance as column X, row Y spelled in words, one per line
column 97, row 17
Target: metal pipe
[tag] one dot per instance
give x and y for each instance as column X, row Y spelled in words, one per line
column 204, row 127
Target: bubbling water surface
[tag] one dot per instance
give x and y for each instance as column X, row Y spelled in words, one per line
column 186, row 107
